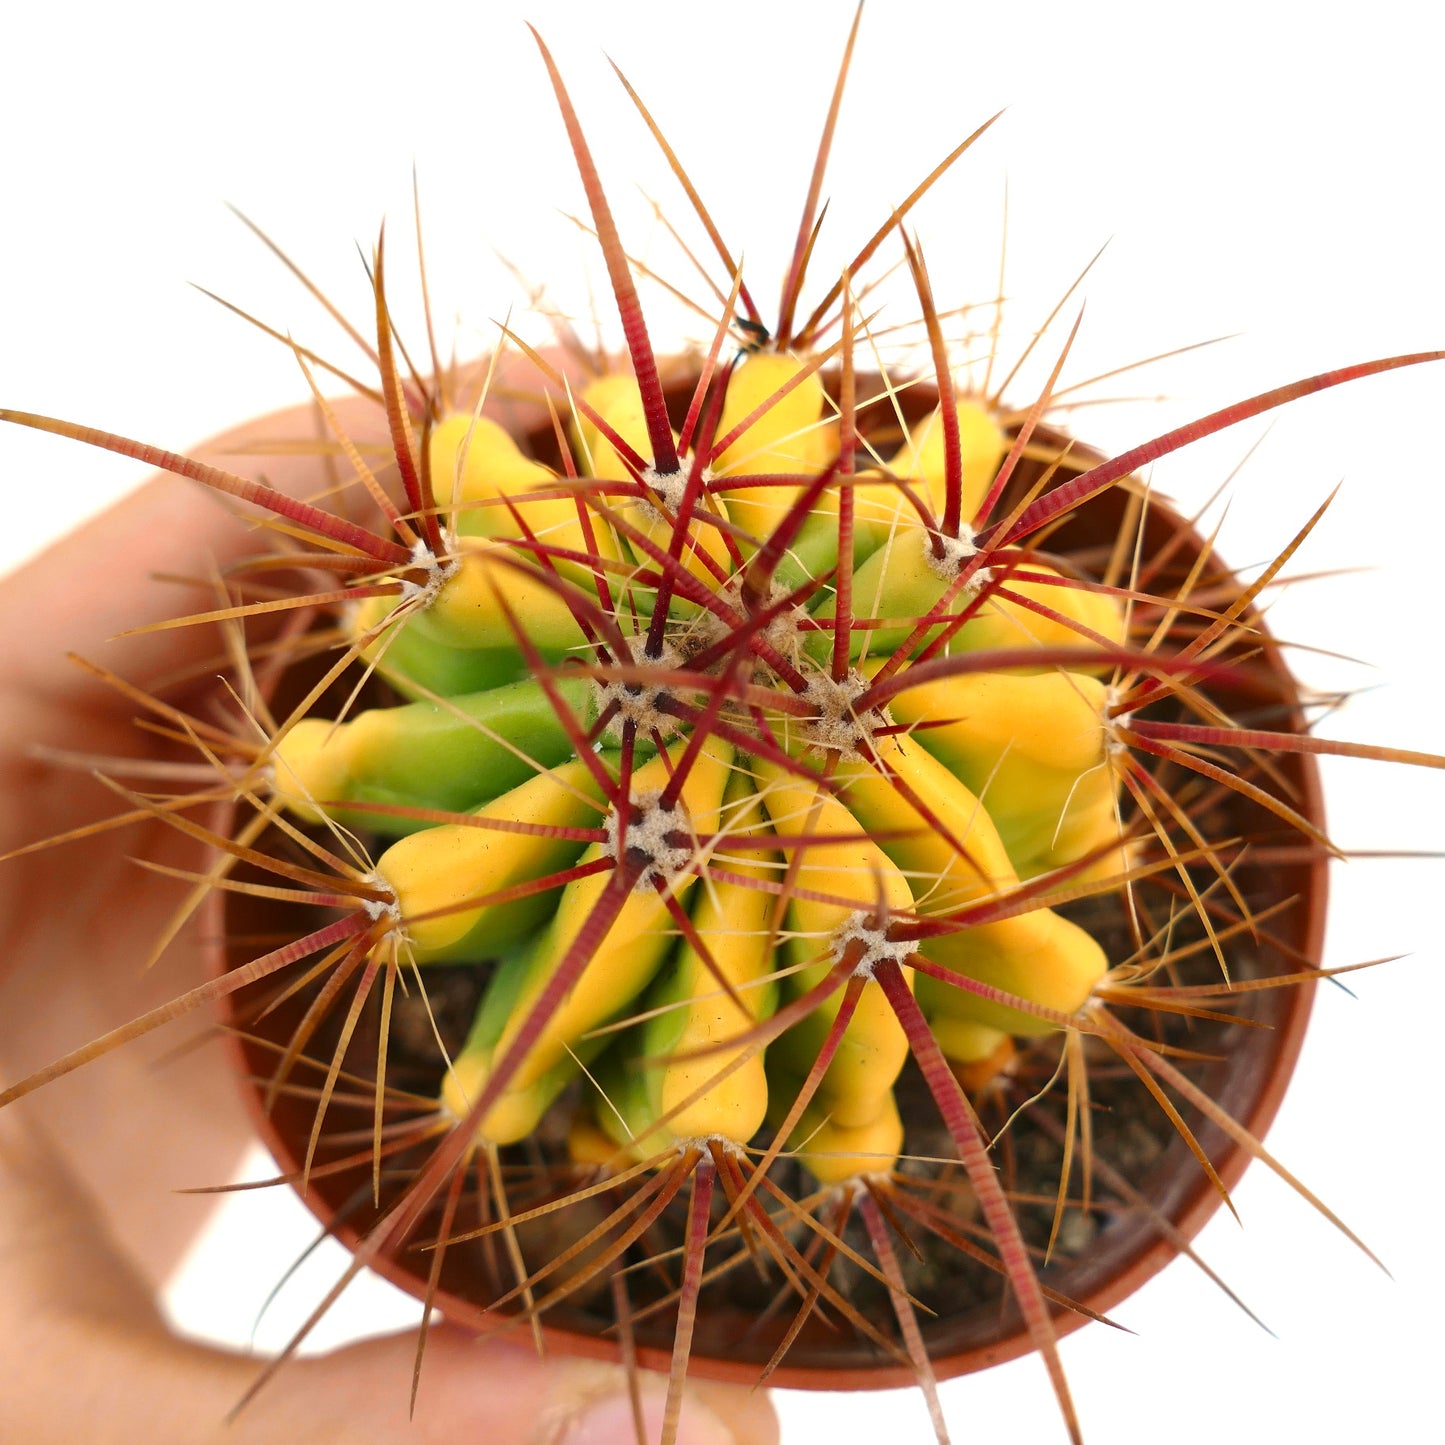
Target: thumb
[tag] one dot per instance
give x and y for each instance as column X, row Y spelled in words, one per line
column 90, row 1358
column 500, row 1391
column 111, row 1383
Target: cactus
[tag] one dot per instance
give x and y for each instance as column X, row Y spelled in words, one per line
column 809, row 762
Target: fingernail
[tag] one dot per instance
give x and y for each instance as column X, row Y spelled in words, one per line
column 611, row 1422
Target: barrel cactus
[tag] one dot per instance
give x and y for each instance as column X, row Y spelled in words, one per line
column 816, row 794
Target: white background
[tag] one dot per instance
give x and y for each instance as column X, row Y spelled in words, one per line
column 1261, row 169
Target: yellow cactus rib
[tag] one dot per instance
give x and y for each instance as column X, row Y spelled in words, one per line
column 1036, row 746
column 475, row 460
column 495, row 492
column 676, row 1074
column 619, row 965
column 787, row 435
column 617, row 402
column 1015, row 603
column 837, row 876
column 440, row 875
column 1040, row 957
column 921, row 461
column 465, row 612
column 724, row 1093
column 835, row 1152
column 935, row 829
column 1036, row 604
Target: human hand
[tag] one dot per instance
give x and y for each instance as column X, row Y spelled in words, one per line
column 90, row 1165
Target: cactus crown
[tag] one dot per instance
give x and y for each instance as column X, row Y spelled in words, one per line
column 798, row 768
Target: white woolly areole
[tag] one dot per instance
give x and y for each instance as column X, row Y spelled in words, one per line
column 387, row 908
column 837, row 726
column 637, row 702
column 439, row 571
column 956, row 552
column 877, row 947
column 1113, row 743
column 669, row 487
column 783, row 634
column 661, row 836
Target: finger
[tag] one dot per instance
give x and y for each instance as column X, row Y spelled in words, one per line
column 111, row 1148
column 76, row 596
column 96, row 583
column 127, row 1385
column 498, row 1391
column 89, row 1358
column 104, row 580
column 100, row 580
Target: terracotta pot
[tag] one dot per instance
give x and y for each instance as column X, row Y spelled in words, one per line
column 1246, row 1073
